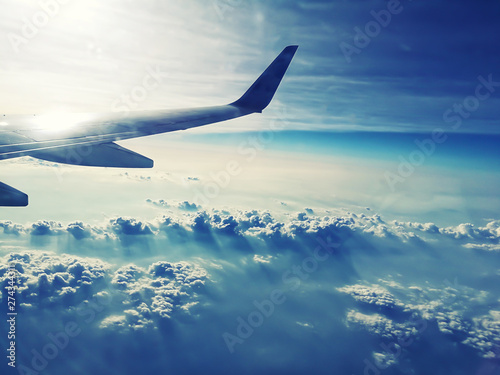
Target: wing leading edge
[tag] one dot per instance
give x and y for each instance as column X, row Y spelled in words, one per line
column 97, row 133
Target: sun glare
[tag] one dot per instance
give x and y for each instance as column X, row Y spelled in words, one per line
column 59, row 121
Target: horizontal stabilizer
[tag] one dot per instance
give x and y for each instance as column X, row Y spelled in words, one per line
column 100, row 155
column 12, row 197
column 259, row 95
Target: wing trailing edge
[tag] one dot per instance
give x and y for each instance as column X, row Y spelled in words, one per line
column 96, row 155
column 11, row 197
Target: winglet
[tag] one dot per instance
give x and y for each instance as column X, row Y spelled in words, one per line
column 259, row 95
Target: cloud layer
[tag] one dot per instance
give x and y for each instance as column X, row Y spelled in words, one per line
column 388, row 291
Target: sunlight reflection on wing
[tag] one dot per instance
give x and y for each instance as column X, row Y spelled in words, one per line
column 59, row 121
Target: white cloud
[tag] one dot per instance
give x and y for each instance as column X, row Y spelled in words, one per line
column 378, row 324
column 143, row 295
column 373, row 295
column 188, row 270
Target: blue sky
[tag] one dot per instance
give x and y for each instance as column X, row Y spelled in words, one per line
column 428, row 57
column 362, row 236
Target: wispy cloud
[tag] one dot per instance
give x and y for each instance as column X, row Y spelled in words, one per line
column 91, row 53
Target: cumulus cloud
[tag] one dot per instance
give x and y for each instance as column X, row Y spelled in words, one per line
column 372, row 295
column 485, row 237
column 186, row 206
column 380, row 281
column 376, row 324
column 80, row 230
column 11, row 228
column 251, row 223
column 158, row 203
column 141, row 295
column 452, row 308
column 256, row 231
column 45, row 228
column 53, row 277
column 129, row 226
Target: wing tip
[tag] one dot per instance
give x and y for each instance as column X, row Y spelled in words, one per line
column 291, row 47
column 262, row 91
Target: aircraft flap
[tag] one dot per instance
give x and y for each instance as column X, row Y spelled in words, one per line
column 95, row 155
column 12, row 197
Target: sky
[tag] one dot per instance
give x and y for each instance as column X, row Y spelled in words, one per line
column 358, row 234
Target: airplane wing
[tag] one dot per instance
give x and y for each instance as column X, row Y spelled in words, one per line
column 88, row 139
